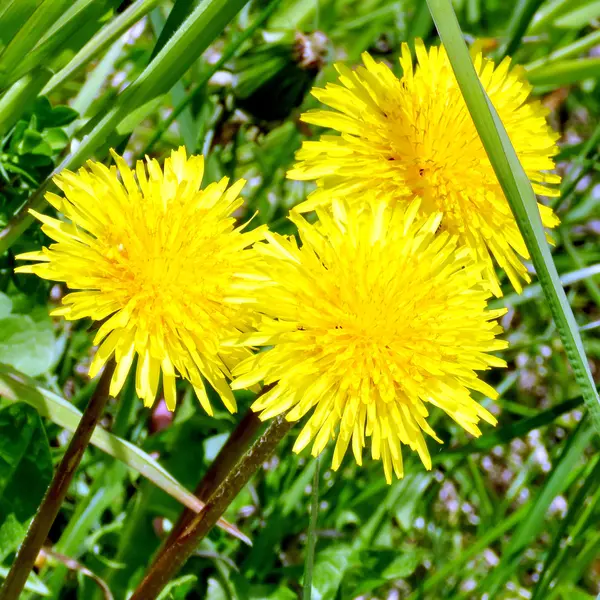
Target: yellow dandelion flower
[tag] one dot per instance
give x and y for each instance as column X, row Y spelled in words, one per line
column 415, row 136
column 373, row 318
column 155, row 258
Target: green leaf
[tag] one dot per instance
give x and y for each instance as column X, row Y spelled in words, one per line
column 12, row 533
column 49, row 116
column 519, row 193
column 330, row 567
column 27, row 345
column 34, row 583
column 56, row 138
column 20, row 96
column 17, row 387
column 403, row 566
column 25, row 462
column 5, row 305
column 178, row 588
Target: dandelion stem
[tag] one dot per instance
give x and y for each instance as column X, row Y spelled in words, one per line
column 232, row 451
column 174, row 557
column 46, row 513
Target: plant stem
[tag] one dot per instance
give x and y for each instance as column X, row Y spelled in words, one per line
column 46, row 513
column 174, row 557
column 228, row 456
column 312, row 535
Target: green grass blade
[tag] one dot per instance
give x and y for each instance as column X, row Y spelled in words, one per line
column 565, row 72
column 109, row 34
column 203, row 26
column 28, row 36
column 577, row 511
column 534, row 291
column 579, row 46
column 520, row 195
column 17, row 387
column 309, row 562
column 20, row 96
column 521, row 428
column 519, row 22
column 532, row 524
column 473, row 550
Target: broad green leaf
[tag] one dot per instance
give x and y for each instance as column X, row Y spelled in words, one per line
column 25, row 462
column 27, row 345
column 403, row 566
column 330, row 567
column 12, row 533
column 519, row 193
column 16, row 387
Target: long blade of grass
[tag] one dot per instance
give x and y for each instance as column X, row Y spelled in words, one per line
column 520, row 19
column 566, row 72
column 519, row 193
column 228, row 53
column 578, row 511
column 533, row 291
column 309, row 562
column 200, row 29
column 507, row 433
column 532, row 524
column 68, row 23
column 17, row 387
column 28, row 36
column 109, row 34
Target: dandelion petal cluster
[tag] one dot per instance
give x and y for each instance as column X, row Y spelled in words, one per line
column 414, row 137
column 155, row 259
column 372, row 320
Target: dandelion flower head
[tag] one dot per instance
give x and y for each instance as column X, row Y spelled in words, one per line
column 154, row 258
column 415, row 136
column 373, row 318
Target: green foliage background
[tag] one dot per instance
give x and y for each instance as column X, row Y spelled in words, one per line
column 511, row 515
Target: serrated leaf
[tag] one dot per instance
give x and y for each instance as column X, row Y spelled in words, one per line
column 25, row 461
column 26, row 344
